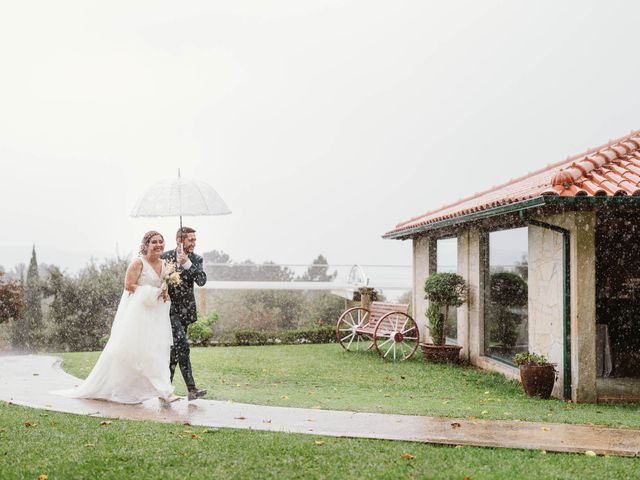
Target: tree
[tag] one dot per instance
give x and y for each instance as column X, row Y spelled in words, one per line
column 317, row 272
column 219, row 266
column 83, row 308
column 27, row 332
column 508, row 291
column 11, row 300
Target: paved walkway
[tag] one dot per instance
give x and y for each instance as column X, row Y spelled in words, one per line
column 26, row 380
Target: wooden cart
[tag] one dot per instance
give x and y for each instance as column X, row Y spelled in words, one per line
column 386, row 326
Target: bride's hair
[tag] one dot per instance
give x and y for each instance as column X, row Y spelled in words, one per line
column 144, row 246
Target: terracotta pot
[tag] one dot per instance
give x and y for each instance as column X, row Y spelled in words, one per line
column 538, row 380
column 441, row 353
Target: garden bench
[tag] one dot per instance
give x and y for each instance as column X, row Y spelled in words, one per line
column 386, row 326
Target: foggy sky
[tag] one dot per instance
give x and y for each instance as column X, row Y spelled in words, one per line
column 321, row 124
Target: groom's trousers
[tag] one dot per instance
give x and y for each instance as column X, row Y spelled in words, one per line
column 180, row 353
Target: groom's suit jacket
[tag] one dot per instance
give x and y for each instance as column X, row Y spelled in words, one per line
column 183, row 301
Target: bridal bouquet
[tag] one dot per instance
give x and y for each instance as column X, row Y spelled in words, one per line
column 170, row 276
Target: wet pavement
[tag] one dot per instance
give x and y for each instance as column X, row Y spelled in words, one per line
column 27, row 379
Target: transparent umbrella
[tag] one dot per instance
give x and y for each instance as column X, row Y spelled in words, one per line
column 180, row 197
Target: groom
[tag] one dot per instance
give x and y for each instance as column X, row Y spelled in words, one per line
column 183, row 304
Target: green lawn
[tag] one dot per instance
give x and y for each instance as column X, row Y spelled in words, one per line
column 65, row 446
column 326, row 376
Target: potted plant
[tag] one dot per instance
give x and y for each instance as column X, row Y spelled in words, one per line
column 536, row 373
column 443, row 290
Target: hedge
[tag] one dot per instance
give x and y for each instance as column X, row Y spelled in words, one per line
column 325, row 334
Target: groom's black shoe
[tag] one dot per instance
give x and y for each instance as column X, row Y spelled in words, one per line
column 195, row 394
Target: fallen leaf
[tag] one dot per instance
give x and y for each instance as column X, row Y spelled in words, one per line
column 237, row 384
column 455, row 425
column 545, row 429
column 543, row 452
column 106, row 422
column 30, row 424
column 466, row 477
column 240, row 418
column 484, row 412
column 43, row 477
column 590, row 453
column 487, row 392
column 196, row 437
column 472, row 418
column 387, row 395
column 408, row 456
column 210, row 430
column 284, row 397
column 402, row 377
column 319, row 442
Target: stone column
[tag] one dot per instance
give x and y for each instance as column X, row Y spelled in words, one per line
column 423, row 249
column 583, row 302
column 474, row 335
column 545, row 310
column 365, row 296
column 463, row 311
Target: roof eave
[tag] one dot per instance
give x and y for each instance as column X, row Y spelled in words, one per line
column 506, row 209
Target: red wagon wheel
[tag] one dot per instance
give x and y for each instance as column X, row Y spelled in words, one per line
column 347, row 329
column 396, row 336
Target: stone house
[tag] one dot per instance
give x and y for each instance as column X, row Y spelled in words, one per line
column 552, row 260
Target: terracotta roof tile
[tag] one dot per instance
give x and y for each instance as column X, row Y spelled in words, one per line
column 609, row 170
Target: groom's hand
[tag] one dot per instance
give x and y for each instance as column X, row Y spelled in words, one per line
column 182, row 256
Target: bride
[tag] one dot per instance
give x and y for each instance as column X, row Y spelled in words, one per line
column 134, row 365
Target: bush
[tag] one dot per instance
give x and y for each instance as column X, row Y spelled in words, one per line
column 526, row 358
column 325, row 334
column 201, row 331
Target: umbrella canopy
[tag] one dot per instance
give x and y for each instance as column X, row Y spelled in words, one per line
column 180, row 197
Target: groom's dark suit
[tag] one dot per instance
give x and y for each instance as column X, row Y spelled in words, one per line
column 183, row 313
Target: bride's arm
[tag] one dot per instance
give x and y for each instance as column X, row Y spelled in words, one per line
column 132, row 275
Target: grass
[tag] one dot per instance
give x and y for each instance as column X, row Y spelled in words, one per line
column 64, row 446
column 327, row 377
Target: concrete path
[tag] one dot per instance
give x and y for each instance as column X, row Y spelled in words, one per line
column 26, row 380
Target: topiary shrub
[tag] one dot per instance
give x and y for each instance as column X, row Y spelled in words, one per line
column 443, row 290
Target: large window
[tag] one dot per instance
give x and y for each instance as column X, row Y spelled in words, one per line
column 506, row 297
column 447, row 261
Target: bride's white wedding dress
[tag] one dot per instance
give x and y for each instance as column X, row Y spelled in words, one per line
column 134, row 365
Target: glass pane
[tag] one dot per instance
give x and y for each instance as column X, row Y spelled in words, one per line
column 447, row 261
column 506, row 297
